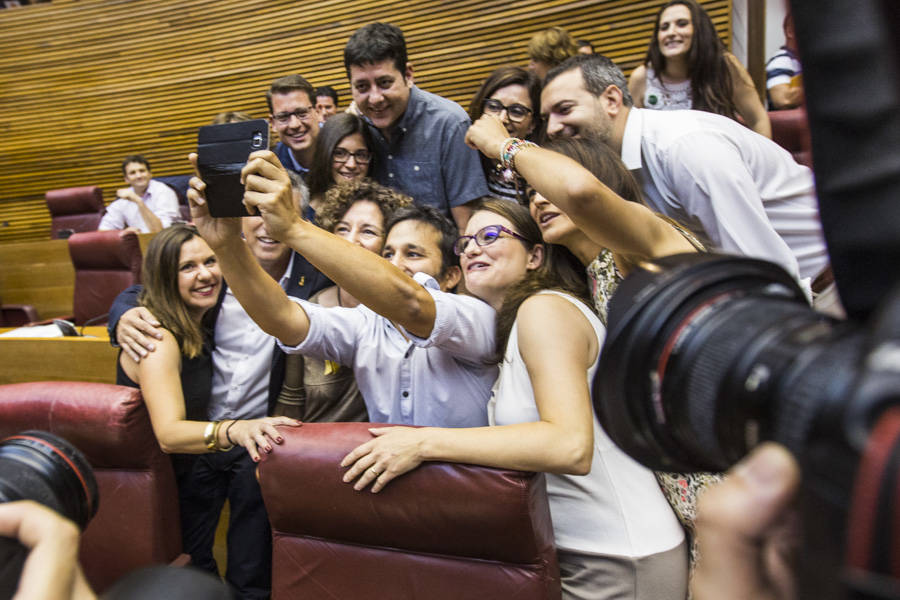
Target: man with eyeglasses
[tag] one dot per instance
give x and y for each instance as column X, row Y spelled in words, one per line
column 419, row 136
column 293, row 116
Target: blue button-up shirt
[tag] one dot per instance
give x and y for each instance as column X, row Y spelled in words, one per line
column 427, row 157
column 444, row 380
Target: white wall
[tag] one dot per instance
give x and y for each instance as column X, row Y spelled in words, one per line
column 775, row 11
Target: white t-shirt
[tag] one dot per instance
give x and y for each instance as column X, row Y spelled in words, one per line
column 617, row 508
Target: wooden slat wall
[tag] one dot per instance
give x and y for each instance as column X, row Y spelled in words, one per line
column 84, row 83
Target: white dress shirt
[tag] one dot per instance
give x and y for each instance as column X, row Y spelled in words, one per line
column 242, row 361
column 159, row 198
column 442, row 381
column 738, row 191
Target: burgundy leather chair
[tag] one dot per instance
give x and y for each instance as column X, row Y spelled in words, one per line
column 137, row 523
column 105, row 262
column 790, row 130
column 443, row 531
column 74, row 209
column 17, row 315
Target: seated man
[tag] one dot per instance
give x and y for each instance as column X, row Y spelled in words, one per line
column 413, row 367
column 147, row 206
column 419, row 137
column 783, row 72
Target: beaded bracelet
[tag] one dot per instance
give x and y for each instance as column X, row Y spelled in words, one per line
column 509, row 149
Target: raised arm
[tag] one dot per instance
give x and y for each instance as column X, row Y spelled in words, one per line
column 560, row 442
column 746, row 99
column 609, row 220
column 372, row 280
column 258, row 293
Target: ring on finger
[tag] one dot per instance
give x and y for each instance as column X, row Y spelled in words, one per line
column 374, row 472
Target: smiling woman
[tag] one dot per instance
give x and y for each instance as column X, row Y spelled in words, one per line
column 687, row 66
column 343, row 152
column 182, row 281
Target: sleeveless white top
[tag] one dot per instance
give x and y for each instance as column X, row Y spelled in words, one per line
column 616, row 509
column 666, row 96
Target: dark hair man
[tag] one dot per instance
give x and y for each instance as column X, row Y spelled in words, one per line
column 738, row 191
column 419, row 136
column 146, row 206
column 293, row 116
column 326, row 102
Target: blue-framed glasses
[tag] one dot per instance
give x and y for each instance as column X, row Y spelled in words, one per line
column 484, row 237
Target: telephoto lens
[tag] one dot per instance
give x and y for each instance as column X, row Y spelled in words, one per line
column 39, row 466
column 706, row 355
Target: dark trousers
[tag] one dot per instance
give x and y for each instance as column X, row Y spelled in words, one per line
column 204, row 482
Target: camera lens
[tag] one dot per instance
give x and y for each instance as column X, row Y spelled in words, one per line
column 699, row 353
column 257, row 140
column 39, row 466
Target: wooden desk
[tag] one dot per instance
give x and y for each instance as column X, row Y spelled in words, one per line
column 58, row 359
column 40, row 274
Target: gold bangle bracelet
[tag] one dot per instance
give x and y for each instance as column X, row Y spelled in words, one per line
column 209, row 435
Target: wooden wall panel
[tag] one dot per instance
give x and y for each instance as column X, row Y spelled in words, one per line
column 83, row 84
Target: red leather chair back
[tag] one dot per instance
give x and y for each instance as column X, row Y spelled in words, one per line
column 443, row 531
column 137, row 523
column 17, row 315
column 790, row 130
column 76, row 209
column 105, row 262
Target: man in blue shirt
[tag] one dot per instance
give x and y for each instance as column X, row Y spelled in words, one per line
column 293, row 116
column 419, row 136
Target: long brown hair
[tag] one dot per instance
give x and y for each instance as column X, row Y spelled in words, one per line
column 559, row 270
column 712, row 87
column 161, row 295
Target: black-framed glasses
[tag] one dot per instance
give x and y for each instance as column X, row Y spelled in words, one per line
column 283, row 118
column 515, row 112
column 484, row 237
column 342, row 155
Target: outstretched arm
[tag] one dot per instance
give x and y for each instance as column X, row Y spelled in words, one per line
column 609, row 220
column 372, row 280
column 560, row 442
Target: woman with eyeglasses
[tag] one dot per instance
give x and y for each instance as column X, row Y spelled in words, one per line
column 342, row 153
column 513, row 95
column 616, row 535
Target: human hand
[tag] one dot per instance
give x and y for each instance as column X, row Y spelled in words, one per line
column 268, row 192
column 135, row 332
column 747, row 530
column 51, row 569
column 256, row 435
column 393, row 452
column 216, row 231
column 487, row 135
column 128, row 194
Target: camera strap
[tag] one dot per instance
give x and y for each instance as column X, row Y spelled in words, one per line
column 873, row 545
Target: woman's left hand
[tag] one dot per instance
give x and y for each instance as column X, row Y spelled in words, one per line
column 257, row 435
column 487, row 135
column 393, row 452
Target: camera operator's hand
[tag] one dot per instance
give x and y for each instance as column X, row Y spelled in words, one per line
column 51, row 569
column 747, row 530
column 216, row 231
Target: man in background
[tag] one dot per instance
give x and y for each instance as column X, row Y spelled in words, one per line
column 146, row 206
column 293, row 116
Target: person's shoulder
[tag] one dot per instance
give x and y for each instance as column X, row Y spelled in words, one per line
column 639, row 75
column 438, row 107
